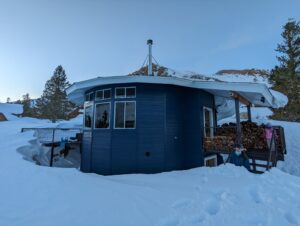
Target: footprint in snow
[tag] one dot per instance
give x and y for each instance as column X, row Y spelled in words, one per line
column 213, row 207
column 256, row 196
column 182, row 203
column 291, row 218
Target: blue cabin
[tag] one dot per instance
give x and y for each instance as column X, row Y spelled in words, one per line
column 152, row 124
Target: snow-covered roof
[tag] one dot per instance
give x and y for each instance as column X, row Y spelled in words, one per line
column 253, row 92
column 9, row 109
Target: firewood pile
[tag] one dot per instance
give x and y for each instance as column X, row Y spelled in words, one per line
column 219, row 143
column 252, row 137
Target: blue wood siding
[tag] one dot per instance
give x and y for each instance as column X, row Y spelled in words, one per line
column 101, row 151
column 174, row 131
column 150, row 128
column 168, row 134
column 86, row 151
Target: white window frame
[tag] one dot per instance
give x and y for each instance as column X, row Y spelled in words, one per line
column 95, row 106
column 96, row 98
column 125, row 96
column 210, row 158
column 125, row 101
column 211, row 118
column 90, row 93
column 88, row 104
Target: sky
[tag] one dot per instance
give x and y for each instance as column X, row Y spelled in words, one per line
column 92, row 38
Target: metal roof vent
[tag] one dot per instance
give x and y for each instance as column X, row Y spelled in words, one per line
column 150, row 43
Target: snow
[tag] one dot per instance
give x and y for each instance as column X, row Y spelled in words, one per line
column 280, row 99
column 32, row 195
column 9, row 109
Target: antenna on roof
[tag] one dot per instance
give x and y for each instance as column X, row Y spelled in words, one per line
column 149, row 43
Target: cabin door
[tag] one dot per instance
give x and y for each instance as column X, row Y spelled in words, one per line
column 208, row 122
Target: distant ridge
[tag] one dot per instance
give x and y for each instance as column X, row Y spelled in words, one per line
column 252, row 71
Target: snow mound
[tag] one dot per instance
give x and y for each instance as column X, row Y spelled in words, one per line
column 9, row 109
column 280, row 99
column 225, row 195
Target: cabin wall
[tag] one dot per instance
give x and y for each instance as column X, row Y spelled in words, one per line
column 194, row 102
column 168, row 133
column 151, row 104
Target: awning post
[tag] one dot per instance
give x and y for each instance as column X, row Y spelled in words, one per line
column 238, row 121
column 249, row 113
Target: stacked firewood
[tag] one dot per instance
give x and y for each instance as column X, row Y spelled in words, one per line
column 252, row 134
column 252, row 137
column 219, row 143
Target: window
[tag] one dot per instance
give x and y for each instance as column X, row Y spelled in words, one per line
column 125, row 115
column 102, row 114
column 107, row 94
column 208, row 122
column 130, row 92
column 103, row 94
column 211, row 161
column 120, row 92
column 89, row 97
column 125, row 92
column 88, row 116
column 99, row 95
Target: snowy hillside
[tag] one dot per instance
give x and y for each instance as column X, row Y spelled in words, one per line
column 225, row 106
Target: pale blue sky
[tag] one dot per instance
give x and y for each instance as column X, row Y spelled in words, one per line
column 92, row 38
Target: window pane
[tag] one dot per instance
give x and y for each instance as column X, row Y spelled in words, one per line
column 102, row 115
column 130, row 92
column 88, row 117
column 99, row 94
column 120, row 92
column 207, row 122
column 130, row 115
column 119, row 119
column 107, row 94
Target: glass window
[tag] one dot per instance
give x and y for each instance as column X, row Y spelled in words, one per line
column 120, row 92
column 107, row 94
column 99, row 95
column 130, row 92
column 88, row 114
column 89, row 97
column 208, row 122
column 130, row 115
column 125, row 114
column 102, row 115
column 120, row 115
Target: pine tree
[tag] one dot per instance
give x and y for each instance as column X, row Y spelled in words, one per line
column 28, row 110
column 54, row 104
column 287, row 74
column 290, row 49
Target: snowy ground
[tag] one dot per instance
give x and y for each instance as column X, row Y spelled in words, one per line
column 32, row 195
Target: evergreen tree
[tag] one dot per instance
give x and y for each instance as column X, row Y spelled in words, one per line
column 290, row 49
column 287, row 74
column 28, row 110
column 54, row 104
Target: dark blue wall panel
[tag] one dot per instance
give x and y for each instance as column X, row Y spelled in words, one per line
column 168, row 134
column 86, row 151
column 150, row 128
column 101, row 151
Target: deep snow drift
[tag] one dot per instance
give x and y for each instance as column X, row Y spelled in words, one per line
column 32, row 195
